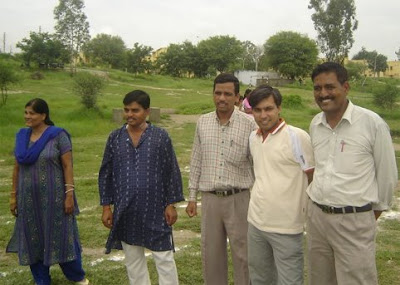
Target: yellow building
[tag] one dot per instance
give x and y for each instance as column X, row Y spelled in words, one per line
column 155, row 54
column 393, row 69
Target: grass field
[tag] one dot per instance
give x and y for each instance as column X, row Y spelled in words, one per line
column 89, row 130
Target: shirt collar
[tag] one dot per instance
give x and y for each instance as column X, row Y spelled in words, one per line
column 231, row 119
column 347, row 115
column 281, row 123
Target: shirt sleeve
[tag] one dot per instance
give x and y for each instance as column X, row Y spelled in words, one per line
column 105, row 175
column 385, row 167
column 195, row 167
column 307, row 151
column 64, row 142
column 172, row 174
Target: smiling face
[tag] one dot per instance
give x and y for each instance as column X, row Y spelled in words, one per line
column 33, row 119
column 266, row 114
column 225, row 97
column 330, row 94
column 135, row 115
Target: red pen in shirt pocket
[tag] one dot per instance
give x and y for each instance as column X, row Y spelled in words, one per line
column 342, row 143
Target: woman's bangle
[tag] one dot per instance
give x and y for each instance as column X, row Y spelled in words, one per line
column 72, row 185
column 69, row 190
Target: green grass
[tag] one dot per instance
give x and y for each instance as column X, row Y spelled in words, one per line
column 89, row 130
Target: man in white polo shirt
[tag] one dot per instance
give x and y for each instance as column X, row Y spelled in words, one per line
column 283, row 167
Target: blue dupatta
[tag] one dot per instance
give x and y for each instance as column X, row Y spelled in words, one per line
column 28, row 155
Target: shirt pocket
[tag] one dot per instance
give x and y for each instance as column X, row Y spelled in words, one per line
column 237, row 150
column 350, row 156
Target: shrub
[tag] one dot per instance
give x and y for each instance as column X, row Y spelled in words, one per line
column 37, row 75
column 385, row 96
column 292, row 102
column 8, row 76
column 88, row 87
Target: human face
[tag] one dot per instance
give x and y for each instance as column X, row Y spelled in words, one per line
column 135, row 115
column 225, row 97
column 330, row 94
column 266, row 114
column 33, row 119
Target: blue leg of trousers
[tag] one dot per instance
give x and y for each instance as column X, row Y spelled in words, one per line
column 73, row 270
column 40, row 273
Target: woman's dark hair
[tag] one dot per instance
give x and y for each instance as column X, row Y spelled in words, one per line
column 246, row 93
column 40, row 106
column 138, row 96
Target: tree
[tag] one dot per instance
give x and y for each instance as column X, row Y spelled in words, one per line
column 88, row 87
column 291, row 54
column 72, row 28
column 43, row 49
column 251, row 55
column 355, row 70
column 398, row 54
column 106, row 49
column 220, row 52
column 182, row 60
column 335, row 21
column 376, row 62
column 8, row 76
column 137, row 58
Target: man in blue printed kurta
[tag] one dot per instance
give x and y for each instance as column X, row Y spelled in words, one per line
column 140, row 177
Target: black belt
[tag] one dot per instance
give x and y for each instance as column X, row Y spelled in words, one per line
column 228, row 192
column 344, row 210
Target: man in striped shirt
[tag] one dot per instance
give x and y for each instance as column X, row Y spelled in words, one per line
column 221, row 169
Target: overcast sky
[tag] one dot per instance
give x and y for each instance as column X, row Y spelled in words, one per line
column 157, row 23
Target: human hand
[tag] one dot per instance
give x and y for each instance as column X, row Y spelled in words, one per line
column 377, row 214
column 107, row 217
column 13, row 206
column 191, row 209
column 69, row 204
column 170, row 214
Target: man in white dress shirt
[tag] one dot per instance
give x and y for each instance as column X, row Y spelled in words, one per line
column 355, row 174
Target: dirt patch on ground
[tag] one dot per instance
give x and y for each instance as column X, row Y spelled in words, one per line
column 396, row 146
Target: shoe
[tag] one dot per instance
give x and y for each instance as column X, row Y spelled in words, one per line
column 83, row 282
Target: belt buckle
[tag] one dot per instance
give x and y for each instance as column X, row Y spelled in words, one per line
column 327, row 209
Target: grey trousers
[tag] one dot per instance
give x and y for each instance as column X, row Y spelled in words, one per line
column 275, row 258
column 341, row 248
column 222, row 218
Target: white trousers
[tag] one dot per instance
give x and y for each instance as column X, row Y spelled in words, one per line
column 136, row 266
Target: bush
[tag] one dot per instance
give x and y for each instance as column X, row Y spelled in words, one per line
column 292, row 102
column 385, row 96
column 37, row 75
column 88, row 87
